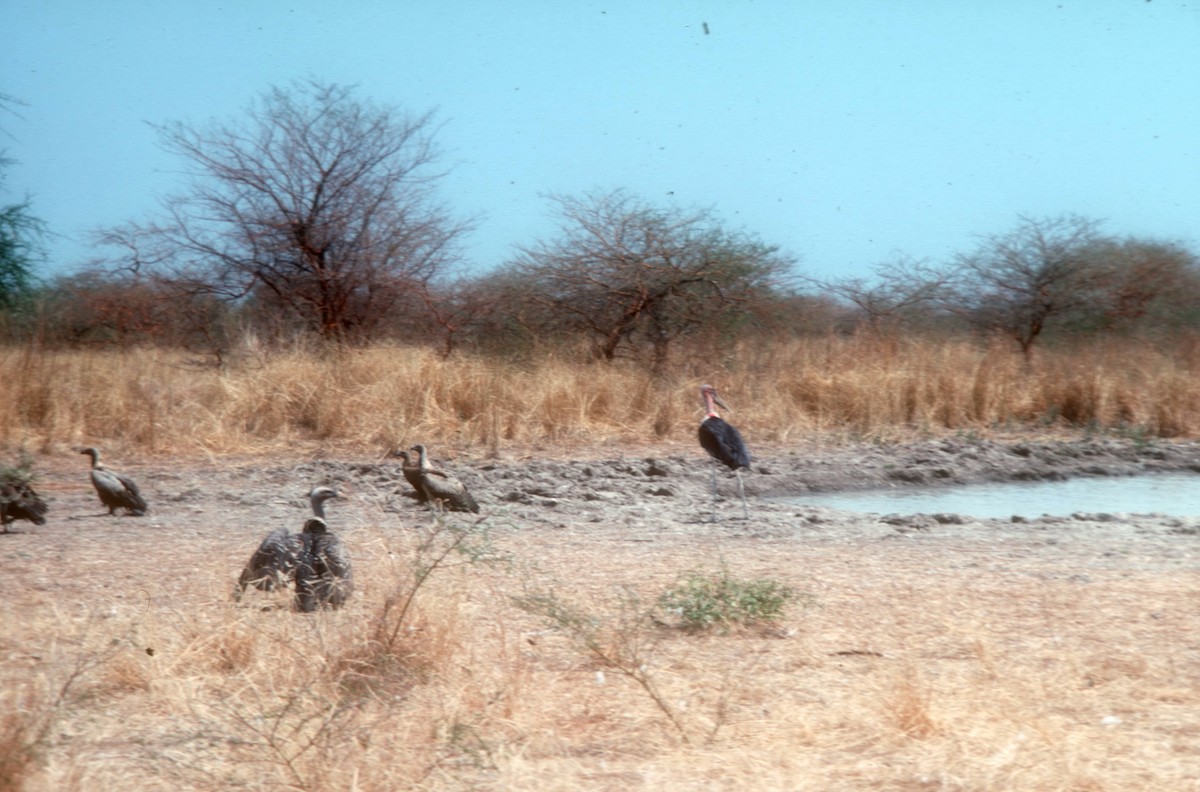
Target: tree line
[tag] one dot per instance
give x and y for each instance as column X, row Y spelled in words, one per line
column 316, row 215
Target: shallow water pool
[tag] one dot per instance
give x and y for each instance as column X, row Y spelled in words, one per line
column 1165, row 493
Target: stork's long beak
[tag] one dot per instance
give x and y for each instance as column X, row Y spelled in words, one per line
column 717, row 400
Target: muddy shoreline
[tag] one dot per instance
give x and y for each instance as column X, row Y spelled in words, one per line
column 635, row 497
column 672, row 486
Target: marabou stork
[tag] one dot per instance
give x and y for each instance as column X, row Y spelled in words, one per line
column 724, row 444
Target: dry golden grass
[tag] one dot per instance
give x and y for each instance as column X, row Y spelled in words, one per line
column 157, row 402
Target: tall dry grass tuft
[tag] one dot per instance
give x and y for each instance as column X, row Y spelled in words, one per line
column 24, row 727
column 367, row 399
column 33, row 708
column 908, row 706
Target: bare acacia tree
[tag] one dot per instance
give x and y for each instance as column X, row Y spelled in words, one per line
column 624, row 271
column 315, row 202
column 457, row 308
column 902, row 292
column 1018, row 282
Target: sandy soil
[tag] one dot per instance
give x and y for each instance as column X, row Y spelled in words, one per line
column 216, row 512
column 595, row 518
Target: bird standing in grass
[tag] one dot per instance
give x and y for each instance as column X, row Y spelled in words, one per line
column 115, row 491
column 273, row 564
column 323, row 574
column 724, row 444
column 412, row 474
column 441, row 488
column 324, row 577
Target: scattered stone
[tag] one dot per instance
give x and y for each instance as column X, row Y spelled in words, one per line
column 656, row 469
column 1098, row 517
column 908, row 522
column 192, row 493
column 908, row 475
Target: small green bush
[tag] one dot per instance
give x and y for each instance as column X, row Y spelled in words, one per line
column 707, row 600
column 20, row 474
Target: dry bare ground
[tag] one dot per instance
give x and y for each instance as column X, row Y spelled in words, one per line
column 922, row 654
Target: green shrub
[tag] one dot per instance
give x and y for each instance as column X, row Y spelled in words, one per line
column 707, row 600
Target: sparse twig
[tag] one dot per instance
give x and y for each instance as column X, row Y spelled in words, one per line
column 433, row 552
column 622, row 649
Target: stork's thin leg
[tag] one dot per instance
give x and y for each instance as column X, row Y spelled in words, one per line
column 742, row 492
column 714, row 491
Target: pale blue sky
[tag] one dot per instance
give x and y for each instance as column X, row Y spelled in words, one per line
column 846, row 132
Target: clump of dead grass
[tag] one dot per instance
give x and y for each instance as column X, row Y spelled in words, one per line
column 860, row 387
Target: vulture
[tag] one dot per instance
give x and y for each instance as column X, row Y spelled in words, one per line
column 724, row 444
column 273, row 564
column 412, row 473
column 441, row 488
column 115, row 491
column 19, row 501
column 323, row 574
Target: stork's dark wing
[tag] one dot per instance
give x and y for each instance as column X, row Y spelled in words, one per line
column 724, row 443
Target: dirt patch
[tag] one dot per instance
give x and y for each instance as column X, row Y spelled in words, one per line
column 225, row 506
